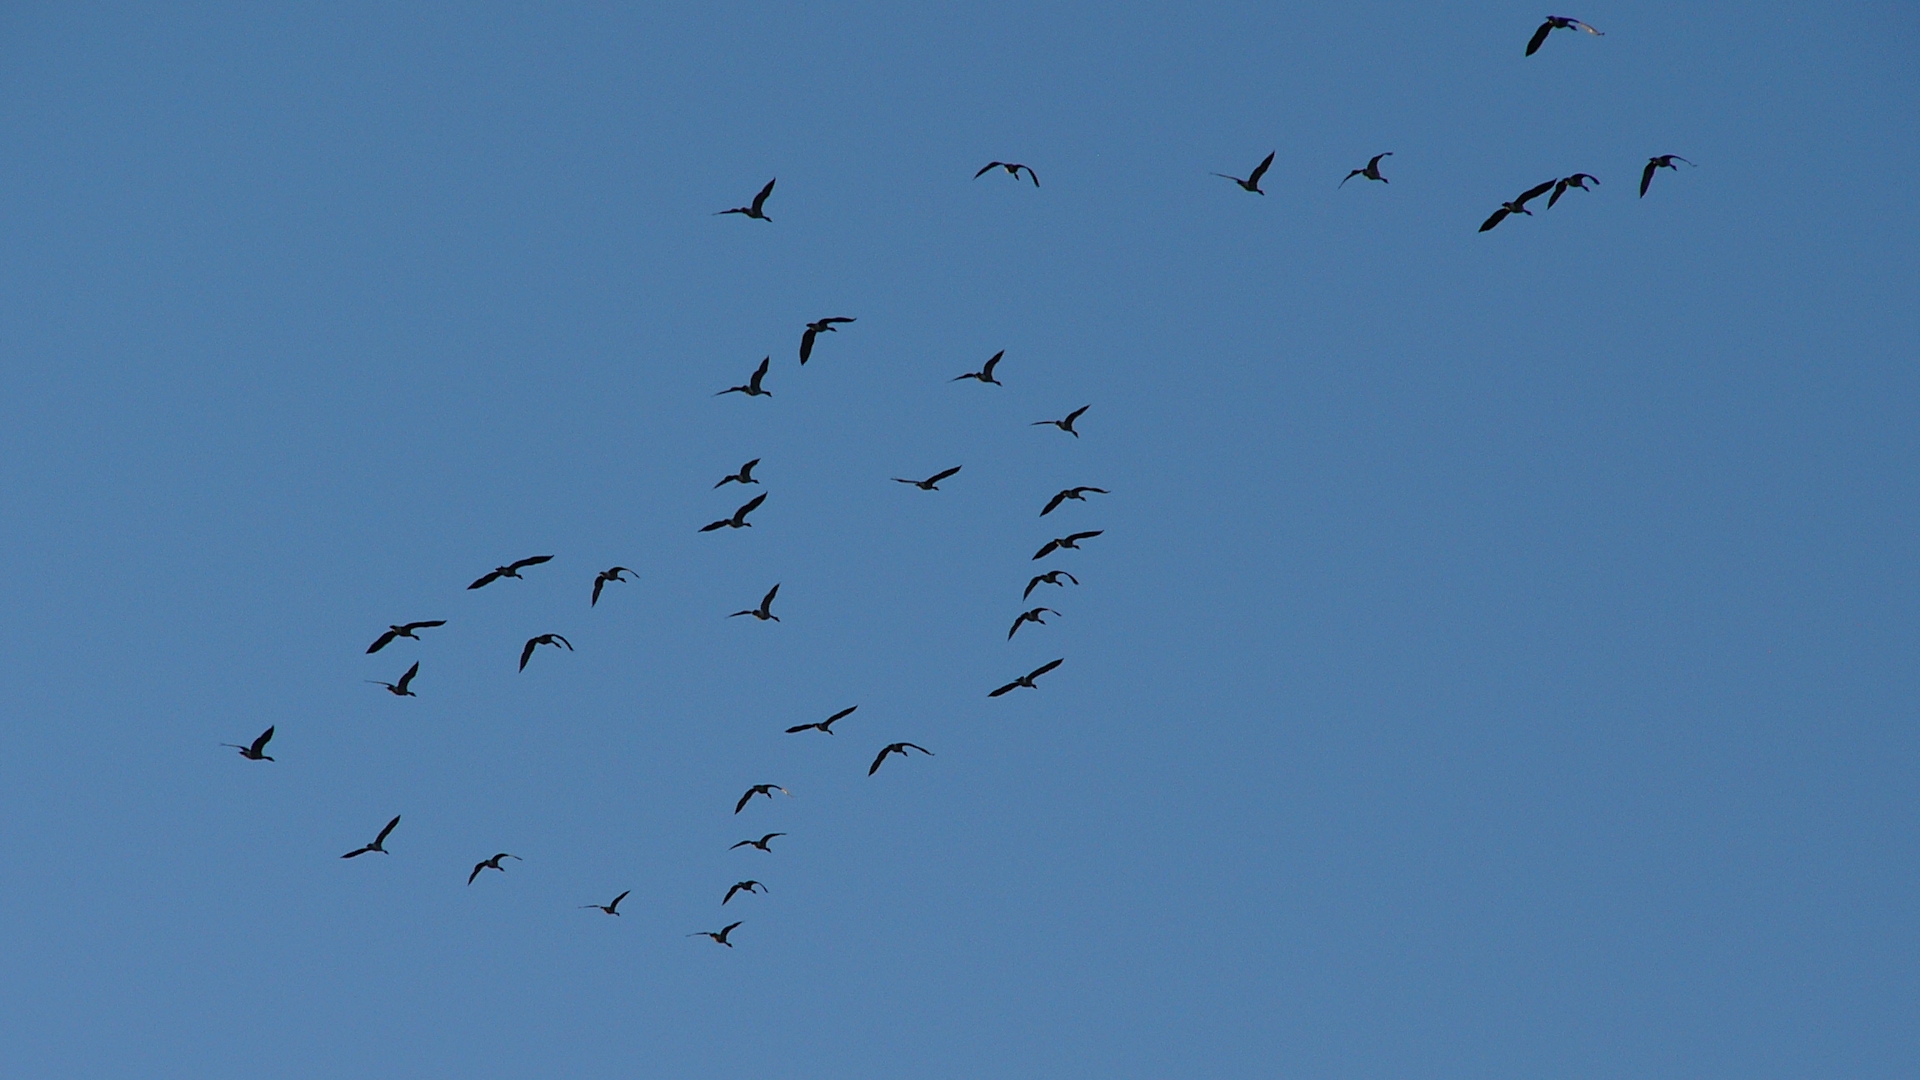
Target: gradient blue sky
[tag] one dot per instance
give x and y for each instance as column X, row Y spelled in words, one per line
column 1500, row 660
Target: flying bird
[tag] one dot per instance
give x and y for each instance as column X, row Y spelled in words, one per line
column 406, row 631
column 900, row 748
column 1051, row 577
column 512, row 570
column 1030, row 617
column 600, row 582
column 1078, row 494
column 824, row 725
column 1013, row 169
column 744, row 476
column 759, row 201
column 1252, row 182
column 931, row 482
column 1371, row 172
column 760, row 843
column 493, row 864
column 741, row 886
column 379, row 842
column 253, row 753
column 752, row 389
column 1065, row 425
column 718, row 935
column 1577, row 180
column 399, row 689
column 1664, row 161
column 764, row 611
column 739, row 518
column 611, row 909
column 985, row 374
column 760, row 789
column 815, row 329
column 1517, row 206
column 1070, row 542
column 1557, row 22
column 533, row 643
column 1027, row 679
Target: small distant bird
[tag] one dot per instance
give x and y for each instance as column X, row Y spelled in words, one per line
column 1557, row 22
column 931, row 482
column 533, row 643
column 379, row 842
column 718, row 935
column 760, row 843
column 752, row 389
column 759, row 201
column 1371, row 172
column 748, row 886
column 1051, row 577
column 1577, row 180
column 1070, row 542
column 985, row 374
column 1027, row 679
column 739, row 518
column 1078, row 494
column 253, row 753
column 493, row 864
column 406, row 631
column 399, row 689
column 1517, row 206
column 760, row 789
column 1664, row 161
column 824, row 725
column 1252, row 182
column 1013, row 169
column 744, row 476
column 512, row 570
column 900, row 748
column 600, row 582
column 1030, row 617
column 611, row 909
column 1065, row 425
column 764, row 611
column 815, row 329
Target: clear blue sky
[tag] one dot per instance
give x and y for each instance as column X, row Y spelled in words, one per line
column 1499, row 661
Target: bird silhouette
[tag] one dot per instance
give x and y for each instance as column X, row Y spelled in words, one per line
column 1371, row 172
column 379, row 842
column 1065, row 425
column 491, row 864
column 747, row 886
column 752, row 388
column 759, row 201
column 824, row 725
column 1013, row 169
column 1517, row 206
column 815, row 329
column 765, row 611
column 399, row 689
column 744, row 476
column 1654, row 164
column 1027, row 679
column 253, row 753
column 611, row 909
column 1078, row 494
column 1577, row 180
column 1051, row 577
column 600, row 582
column 1557, row 22
column 760, row 843
column 511, row 570
column 900, row 748
column 1030, row 617
column 739, row 518
column 760, row 789
column 526, row 653
column 718, row 935
column 406, row 631
column 1070, row 542
column 931, row 482
column 985, row 374
column 1252, row 182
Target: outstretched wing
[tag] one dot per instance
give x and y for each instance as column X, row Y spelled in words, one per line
column 1052, row 505
column 744, row 799
column 991, row 361
column 599, row 582
column 1559, row 189
column 760, row 200
column 485, row 579
column 806, row 344
column 534, row 561
column 1499, row 216
column 796, row 729
column 401, row 686
column 1534, row 192
column 266, row 736
column 1646, row 177
column 751, row 505
column 917, row 746
column 1031, row 585
column 527, row 652
column 382, row 838
column 1046, row 667
column 1075, row 414
column 1260, row 170
column 1051, row 547
column 424, row 625
column 767, row 600
column 760, row 372
column 1540, row 35
column 1004, row 689
column 1350, row 176
column 355, row 853
column 1079, row 536
column 616, row 901
column 477, row 867
column 875, row 767
column 939, row 476
column 985, row 169
column 1578, row 25
column 384, row 640
column 1031, row 175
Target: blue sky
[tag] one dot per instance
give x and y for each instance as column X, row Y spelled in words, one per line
column 1498, row 661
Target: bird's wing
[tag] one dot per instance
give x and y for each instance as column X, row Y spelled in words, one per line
column 1002, row 690
column 752, row 505
column 382, row 838
column 353, row 854
column 476, row 872
column 383, row 641
column 485, row 579
column 260, row 743
column 767, row 600
column 917, row 746
column 987, row 370
column 839, row 318
column 760, row 200
column 801, row 727
column 743, row 843
column 742, row 804
column 875, row 767
column 1646, row 177
column 1016, row 625
column 401, row 686
column 1559, row 189
column 1075, row 414
column 843, row 712
column 527, row 653
column 985, row 169
column 1031, row 175
column 1079, row 536
column 1053, row 504
column 729, row 896
column 746, row 471
column 1499, row 216
column 760, row 372
column 728, row 929
column 1350, row 176
column 534, row 561
column 806, row 344
column 1051, row 547
column 561, row 640
column 617, row 899
column 1539, row 36
column 1046, row 667
column 1374, row 164
column 1069, row 577
column 1260, row 170
column 598, row 584
column 424, row 625
column 939, row 476
column 1583, row 26
column 1535, row 192
column 1031, row 585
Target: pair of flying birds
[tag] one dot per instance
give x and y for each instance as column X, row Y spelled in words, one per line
column 1251, row 182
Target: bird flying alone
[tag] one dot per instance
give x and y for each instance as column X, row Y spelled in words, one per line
column 1066, row 424
column 1371, row 172
column 1051, row 577
column 985, row 374
column 760, row 789
column 1557, row 22
column 1027, row 679
column 739, row 518
column 1517, row 206
column 760, row 843
column 611, row 909
column 1070, row 542
column 719, row 935
column 744, row 476
column 749, row 886
column 511, row 570
column 253, row 752
column 752, row 388
column 1252, row 182
column 406, row 631
column 1032, row 616
column 600, row 582
column 824, row 725
column 900, row 748
column 1577, row 180
column 491, row 864
column 815, row 329
column 1013, row 169
column 399, row 689
column 759, row 201
column 526, row 652
column 379, row 842
column 931, row 482
column 765, row 611
column 1655, row 164
column 1078, row 494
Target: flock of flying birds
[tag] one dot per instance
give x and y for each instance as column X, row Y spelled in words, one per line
column 753, row 387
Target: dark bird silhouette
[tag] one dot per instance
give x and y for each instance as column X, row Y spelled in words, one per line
column 824, row 725
column 600, row 582
column 759, row 201
column 764, row 611
column 1051, row 577
column 930, row 483
column 741, row 886
column 985, row 374
column 739, row 518
column 1557, row 22
column 760, row 843
column 399, row 689
column 1252, row 182
column 1517, row 206
column 815, row 329
column 744, row 476
column 1371, row 172
column 406, row 631
column 1030, row 617
column 379, row 842
column 511, row 570
column 1078, row 494
column 1577, row 180
column 253, row 753
column 718, row 935
column 526, row 653
column 752, row 389
column 1070, row 542
column 900, row 748
column 1065, row 425
column 611, row 909
column 491, row 864
column 1027, row 679
column 1013, row 169
column 760, row 789
column 1654, row 164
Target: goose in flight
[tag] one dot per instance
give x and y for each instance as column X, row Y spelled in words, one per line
column 492, row 864
column 1070, row 542
column 406, row 631
column 752, row 389
column 739, row 518
column 1371, row 172
column 399, row 689
column 760, row 843
column 760, row 789
column 824, row 725
column 1030, row 617
column 1557, row 22
column 744, row 476
column 1517, row 206
column 379, row 842
column 765, row 611
column 511, row 570
column 600, row 582
column 930, row 483
column 1051, row 577
column 1013, row 169
column 1078, row 494
column 1252, row 182
column 611, row 909
column 985, row 374
column 526, row 653
column 253, row 753
column 749, row 886
column 1027, row 679
column 1065, row 425
column 815, row 329
column 1577, row 180
column 759, row 201
column 719, row 935
column 1654, row 164
column 900, row 748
